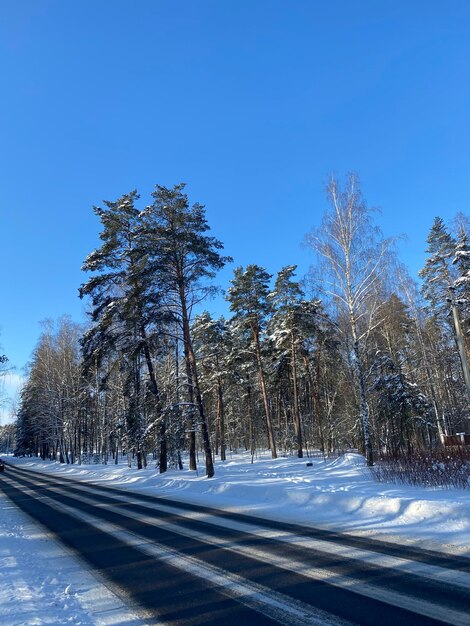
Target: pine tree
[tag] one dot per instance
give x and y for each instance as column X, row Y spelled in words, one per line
column 249, row 300
column 438, row 274
column 243, row 371
column 438, row 277
column 26, row 428
column 422, row 349
column 462, row 282
column 7, row 438
column 185, row 260
column 125, row 303
column 212, row 346
column 293, row 319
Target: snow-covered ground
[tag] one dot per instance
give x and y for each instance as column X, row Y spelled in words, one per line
column 42, row 583
column 337, row 494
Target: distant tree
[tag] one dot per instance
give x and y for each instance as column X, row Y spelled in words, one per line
column 421, row 350
column 25, row 429
column 244, row 422
column 213, row 343
column 51, row 400
column 293, row 320
column 249, row 300
column 462, row 281
column 329, row 385
column 400, row 403
column 7, row 438
column 438, row 277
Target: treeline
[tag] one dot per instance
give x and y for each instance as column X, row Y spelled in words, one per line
column 7, row 438
column 353, row 356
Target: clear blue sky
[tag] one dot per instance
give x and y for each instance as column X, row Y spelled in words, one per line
column 251, row 102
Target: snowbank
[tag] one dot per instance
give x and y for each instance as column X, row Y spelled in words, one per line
column 338, row 494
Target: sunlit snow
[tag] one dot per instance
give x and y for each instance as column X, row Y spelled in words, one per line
column 339, row 494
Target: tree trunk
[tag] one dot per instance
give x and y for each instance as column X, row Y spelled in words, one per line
column 295, row 407
column 193, row 381
column 190, row 422
column 163, row 464
column 364, row 407
column 272, row 443
column 251, row 422
column 440, row 425
column 459, row 338
column 315, row 399
column 221, row 419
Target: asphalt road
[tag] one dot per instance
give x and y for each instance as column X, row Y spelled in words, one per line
column 186, row 564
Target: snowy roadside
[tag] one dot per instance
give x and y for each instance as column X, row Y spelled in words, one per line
column 336, row 494
column 42, row 583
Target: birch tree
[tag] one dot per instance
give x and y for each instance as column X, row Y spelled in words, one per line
column 352, row 255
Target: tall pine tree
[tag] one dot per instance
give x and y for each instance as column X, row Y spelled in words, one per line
column 438, row 277
column 185, row 260
column 462, row 282
column 124, row 304
column 249, row 300
column 293, row 319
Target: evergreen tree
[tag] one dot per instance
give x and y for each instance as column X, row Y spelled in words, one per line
column 185, row 260
column 422, row 349
column 292, row 321
column 400, row 403
column 438, row 277
column 249, row 300
column 438, row 274
column 212, row 346
column 462, row 282
column 125, row 304
column 244, row 418
column 7, row 438
column 26, row 443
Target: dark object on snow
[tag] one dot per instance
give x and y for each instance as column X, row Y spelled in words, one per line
column 309, row 464
column 2, row 466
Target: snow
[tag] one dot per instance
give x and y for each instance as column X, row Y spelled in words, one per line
column 61, row 592
column 336, row 494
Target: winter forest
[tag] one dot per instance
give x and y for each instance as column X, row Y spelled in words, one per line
column 357, row 354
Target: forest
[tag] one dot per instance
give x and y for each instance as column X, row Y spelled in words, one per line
column 356, row 355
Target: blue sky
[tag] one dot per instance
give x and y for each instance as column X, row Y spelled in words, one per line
column 252, row 103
